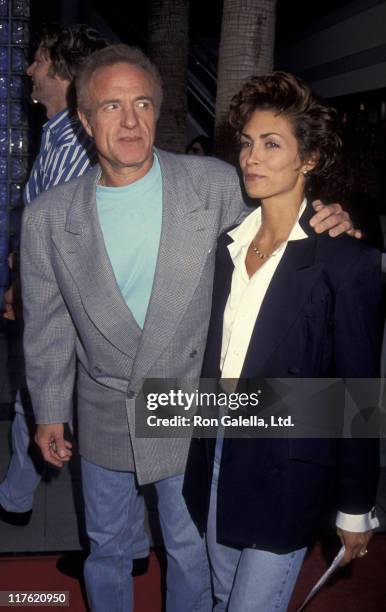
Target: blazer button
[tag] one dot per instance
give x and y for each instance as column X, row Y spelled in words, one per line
column 193, row 354
column 131, row 394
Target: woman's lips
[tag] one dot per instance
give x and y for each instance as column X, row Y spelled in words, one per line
column 254, row 177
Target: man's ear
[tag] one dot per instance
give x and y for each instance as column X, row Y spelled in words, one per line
column 85, row 122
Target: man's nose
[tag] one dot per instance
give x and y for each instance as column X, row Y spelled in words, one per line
column 129, row 117
column 30, row 69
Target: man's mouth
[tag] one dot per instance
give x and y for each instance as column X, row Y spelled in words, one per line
column 130, row 139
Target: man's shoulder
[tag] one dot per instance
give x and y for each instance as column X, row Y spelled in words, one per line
column 62, row 195
column 74, row 136
column 197, row 166
column 68, row 132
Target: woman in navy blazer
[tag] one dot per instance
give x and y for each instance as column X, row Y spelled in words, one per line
column 287, row 303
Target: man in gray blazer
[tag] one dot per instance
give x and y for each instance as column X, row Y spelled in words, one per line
column 117, row 279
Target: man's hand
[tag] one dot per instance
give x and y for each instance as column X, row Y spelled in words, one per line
column 50, row 439
column 333, row 218
column 355, row 544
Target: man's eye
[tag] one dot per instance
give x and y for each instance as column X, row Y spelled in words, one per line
column 111, row 106
column 143, row 104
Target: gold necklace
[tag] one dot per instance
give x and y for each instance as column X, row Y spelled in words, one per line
column 259, row 254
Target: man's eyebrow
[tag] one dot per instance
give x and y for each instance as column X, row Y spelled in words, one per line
column 118, row 100
column 108, row 101
column 149, row 98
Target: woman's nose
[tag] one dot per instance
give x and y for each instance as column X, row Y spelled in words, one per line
column 254, row 156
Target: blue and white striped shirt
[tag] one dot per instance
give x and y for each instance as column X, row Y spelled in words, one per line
column 66, row 151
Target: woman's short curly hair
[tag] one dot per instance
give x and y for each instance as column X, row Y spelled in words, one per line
column 313, row 121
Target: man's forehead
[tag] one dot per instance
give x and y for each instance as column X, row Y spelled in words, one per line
column 42, row 53
column 123, row 76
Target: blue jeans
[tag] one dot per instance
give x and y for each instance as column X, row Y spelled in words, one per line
column 109, row 498
column 248, row 580
column 23, row 477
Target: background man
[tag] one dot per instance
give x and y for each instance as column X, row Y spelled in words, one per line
column 66, row 152
column 117, row 270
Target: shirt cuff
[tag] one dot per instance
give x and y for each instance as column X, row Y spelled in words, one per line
column 357, row 522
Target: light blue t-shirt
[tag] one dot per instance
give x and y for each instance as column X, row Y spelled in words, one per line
column 131, row 218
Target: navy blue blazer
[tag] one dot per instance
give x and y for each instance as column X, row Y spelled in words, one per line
column 320, row 318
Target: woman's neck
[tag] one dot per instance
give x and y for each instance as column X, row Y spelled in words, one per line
column 278, row 216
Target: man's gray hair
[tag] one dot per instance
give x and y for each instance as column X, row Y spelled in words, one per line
column 109, row 56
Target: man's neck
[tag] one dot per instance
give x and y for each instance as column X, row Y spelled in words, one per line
column 113, row 176
column 54, row 109
column 59, row 101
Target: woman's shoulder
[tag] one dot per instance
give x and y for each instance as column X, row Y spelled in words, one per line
column 345, row 246
column 345, row 256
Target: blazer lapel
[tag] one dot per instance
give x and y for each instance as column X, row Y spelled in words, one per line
column 221, row 290
column 291, row 284
column 83, row 251
column 187, row 237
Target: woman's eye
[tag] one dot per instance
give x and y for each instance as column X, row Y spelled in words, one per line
column 245, row 144
column 270, row 144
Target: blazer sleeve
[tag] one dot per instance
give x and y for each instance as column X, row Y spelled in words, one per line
column 357, row 355
column 49, row 335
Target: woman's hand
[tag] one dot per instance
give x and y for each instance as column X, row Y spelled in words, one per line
column 333, row 218
column 355, row 543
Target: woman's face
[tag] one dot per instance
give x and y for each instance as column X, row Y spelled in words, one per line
column 269, row 157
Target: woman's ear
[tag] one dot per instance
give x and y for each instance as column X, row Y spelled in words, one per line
column 310, row 163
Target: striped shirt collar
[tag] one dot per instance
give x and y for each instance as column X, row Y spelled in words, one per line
column 66, row 151
column 58, row 121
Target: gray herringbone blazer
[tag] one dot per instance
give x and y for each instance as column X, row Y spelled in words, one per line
column 78, row 327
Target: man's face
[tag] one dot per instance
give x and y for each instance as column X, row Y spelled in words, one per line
column 122, row 121
column 44, row 83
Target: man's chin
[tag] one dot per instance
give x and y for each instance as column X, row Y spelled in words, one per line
column 136, row 161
